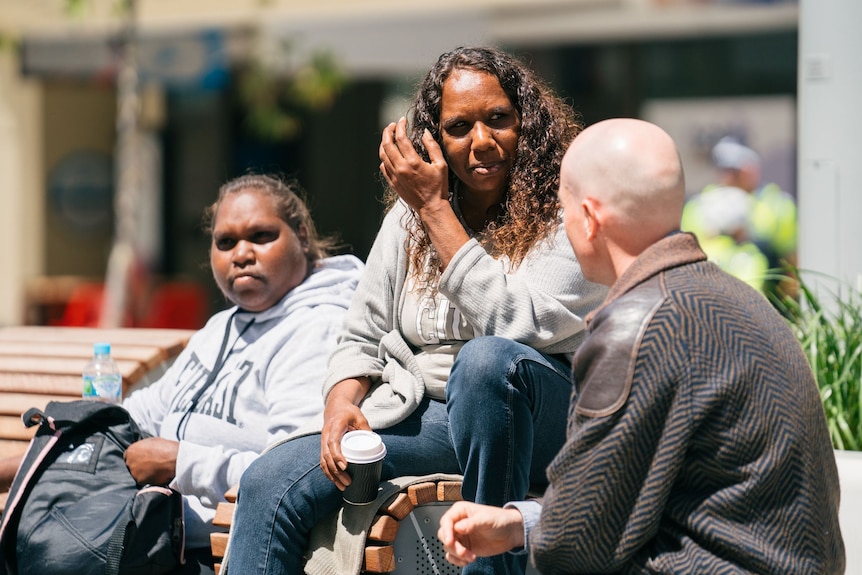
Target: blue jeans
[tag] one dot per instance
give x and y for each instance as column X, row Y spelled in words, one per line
column 503, row 421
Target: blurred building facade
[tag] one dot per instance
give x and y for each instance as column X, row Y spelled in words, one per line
column 701, row 68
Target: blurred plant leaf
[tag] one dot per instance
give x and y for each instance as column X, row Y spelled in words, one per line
column 7, row 42
column 76, row 8
column 274, row 103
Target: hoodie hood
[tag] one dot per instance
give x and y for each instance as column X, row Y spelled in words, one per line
column 332, row 282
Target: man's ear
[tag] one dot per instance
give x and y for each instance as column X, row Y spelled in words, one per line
column 591, row 218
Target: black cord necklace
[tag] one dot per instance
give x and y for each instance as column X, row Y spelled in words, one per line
column 220, row 359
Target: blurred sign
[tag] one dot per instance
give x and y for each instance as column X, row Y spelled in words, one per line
column 196, row 59
column 80, row 189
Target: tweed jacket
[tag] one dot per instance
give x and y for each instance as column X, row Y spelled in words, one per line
column 696, row 440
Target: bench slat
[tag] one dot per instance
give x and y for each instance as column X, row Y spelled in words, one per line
column 17, row 403
column 218, row 541
column 11, row 427
column 449, row 491
column 224, row 514
column 422, row 493
column 131, row 370
column 231, row 493
column 9, row 447
column 152, row 356
column 379, row 559
column 400, row 506
column 171, row 341
column 384, row 529
column 42, row 383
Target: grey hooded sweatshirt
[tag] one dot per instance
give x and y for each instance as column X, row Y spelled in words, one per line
column 267, row 384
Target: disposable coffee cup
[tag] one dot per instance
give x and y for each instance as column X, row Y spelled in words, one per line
column 364, row 452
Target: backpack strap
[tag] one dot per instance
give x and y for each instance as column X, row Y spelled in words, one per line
column 116, row 545
column 23, row 479
column 33, row 416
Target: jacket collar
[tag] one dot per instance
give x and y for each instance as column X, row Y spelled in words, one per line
column 676, row 249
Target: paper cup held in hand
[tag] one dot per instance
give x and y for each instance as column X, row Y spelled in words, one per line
column 364, row 451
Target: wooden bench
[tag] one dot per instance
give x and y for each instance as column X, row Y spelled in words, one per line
column 423, row 503
column 40, row 364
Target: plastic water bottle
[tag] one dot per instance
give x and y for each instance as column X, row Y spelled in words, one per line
column 102, row 378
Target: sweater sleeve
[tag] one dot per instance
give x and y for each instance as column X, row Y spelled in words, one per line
column 542, row 303
column 372, row 311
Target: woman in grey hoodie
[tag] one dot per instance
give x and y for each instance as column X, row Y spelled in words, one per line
column 253, row 373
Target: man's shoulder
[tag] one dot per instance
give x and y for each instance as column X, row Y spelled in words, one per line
column 603, row 362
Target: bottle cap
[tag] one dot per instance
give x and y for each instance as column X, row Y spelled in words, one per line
column 102, row 348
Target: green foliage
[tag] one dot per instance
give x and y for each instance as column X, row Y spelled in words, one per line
column 7, row 42
column 75, row 7
column 274, row 102
column 830, row 331
column 79, row 8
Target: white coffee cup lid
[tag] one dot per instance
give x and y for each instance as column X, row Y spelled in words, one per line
column 362, row 446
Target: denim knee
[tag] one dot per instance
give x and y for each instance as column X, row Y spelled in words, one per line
column 262, row 474
column 487, row 360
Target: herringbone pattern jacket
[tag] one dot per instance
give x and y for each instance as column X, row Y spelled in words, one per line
column 697, row 441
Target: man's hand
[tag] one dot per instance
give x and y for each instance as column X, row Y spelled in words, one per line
column 469, row 530
column 152, row 460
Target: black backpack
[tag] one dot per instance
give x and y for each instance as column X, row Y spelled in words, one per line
column 74, row 508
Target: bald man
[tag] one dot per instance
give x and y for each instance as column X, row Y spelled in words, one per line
column 696, row 441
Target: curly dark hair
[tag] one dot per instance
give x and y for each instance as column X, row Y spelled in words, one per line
column 290, row 203
column 548, row 125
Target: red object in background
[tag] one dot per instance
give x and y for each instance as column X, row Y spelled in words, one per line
column 177, row 305
column 84, row 306
column 172, row 305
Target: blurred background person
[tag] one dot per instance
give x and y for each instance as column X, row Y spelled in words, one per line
column 719, row 217
column 771, row 222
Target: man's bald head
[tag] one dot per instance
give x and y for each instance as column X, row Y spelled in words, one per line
column 630, row 172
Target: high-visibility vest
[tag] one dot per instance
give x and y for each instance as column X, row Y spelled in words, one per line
column 742, row 260
column 773, row 222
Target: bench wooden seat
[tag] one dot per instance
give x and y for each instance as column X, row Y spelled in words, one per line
column 39, row 364
column 223, row 518
column 380, row 548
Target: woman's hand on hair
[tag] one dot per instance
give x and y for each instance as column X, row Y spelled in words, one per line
column 422, row 185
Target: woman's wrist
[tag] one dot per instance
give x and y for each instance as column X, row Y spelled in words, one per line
column 350, row 390
column 436, row 211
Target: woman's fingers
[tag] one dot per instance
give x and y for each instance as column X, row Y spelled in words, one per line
column 435, row 153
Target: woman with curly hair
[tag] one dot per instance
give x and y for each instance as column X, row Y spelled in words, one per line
column 456, row 348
